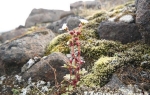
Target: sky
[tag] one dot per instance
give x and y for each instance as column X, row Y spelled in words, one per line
column 15, row 12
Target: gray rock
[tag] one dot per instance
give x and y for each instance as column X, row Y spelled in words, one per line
column 115, row 83
column 42, row 70
column 17, row 52
column 76, row 5
column 142, row 18
column 72, row 22
column 136, row 4
column 38, row 16
column 92, row 4
column 12, row 34
column 119, row 31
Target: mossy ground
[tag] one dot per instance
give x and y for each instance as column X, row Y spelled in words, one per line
column 105, row 66
column 102, row 57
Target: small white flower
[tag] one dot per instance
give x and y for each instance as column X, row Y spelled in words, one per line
column 64, row 27
column 84, row 21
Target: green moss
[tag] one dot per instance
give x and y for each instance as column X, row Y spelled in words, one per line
column 88, row 34
column 58, row 44
column 95, row 48
column 101, row 72
column 104, row 67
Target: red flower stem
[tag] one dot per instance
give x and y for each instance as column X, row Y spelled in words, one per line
column 75, row 58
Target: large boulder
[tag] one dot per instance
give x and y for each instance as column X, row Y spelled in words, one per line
column 17, row 52
column 119, row 31
column 44, row 69
column 71, row 21
column 38, row 16
column 142, row 18
column 76, row 5
column 92, row 4
column 79, row 5
column 12, row 34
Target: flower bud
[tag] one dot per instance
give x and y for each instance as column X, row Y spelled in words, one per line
column 74, row 82
column 71, row 32
column 78, row 33
column 79, row 53
column 73, row 55
column 71, row 43
column 76, row 38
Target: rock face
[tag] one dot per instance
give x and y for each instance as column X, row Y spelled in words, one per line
column 12, row 34
column 118, row 31
column 43, row 16
column 142, row 18
column 43, row 69
column 17, row 52
column 72, row 22
column 86, row 4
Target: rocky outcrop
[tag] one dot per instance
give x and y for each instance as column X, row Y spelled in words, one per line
column 15, row 53
column 38, row 16
column 44, row 69
column 12, row 34
column 119, row 31
column 71, row 21
column 142, row 18
column 79, row 5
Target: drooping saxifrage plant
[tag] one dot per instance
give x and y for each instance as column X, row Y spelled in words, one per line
column 74, row 66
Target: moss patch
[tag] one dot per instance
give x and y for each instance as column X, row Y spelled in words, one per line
column 100, row 74
column 59, row 44
column 105, row 66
